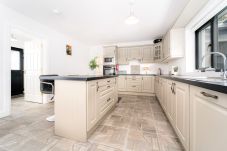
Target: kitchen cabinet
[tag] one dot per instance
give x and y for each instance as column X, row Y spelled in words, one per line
column 136, row 85
column 147, row 54
column 157, row 55
column 134, row 53
column 174, row 44
column 122, row 55
column 144, row 54
column 148, row 84
column 81, row 105
column 208, row 120
column 174, row 99
column 182, row 113
column 92, row 104
column 122, row 83
column 109, row 51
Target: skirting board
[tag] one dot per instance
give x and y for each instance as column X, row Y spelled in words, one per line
column 136, row 93
column 4, row 114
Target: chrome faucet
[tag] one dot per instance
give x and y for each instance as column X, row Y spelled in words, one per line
column 224, row 61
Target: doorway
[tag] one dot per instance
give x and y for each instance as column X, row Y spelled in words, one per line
column 26, row 67
column 17, row 72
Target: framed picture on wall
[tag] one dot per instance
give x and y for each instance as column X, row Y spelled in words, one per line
column 69, row 50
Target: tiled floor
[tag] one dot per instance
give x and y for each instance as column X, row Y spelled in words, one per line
column 137, row 124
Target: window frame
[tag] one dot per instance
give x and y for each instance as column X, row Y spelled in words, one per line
column 214, row 38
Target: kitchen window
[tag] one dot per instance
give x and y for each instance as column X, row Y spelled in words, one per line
column 211, row 37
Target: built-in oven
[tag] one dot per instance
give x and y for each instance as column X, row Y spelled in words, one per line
column 109, row 70
column 109, row 61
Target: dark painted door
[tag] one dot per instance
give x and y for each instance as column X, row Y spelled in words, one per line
column 17, row 71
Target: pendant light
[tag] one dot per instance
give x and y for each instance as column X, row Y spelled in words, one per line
column 131, row 19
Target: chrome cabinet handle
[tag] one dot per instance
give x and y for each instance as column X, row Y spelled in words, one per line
column 134, row 86
column 108, row 86
column 209, row 95
column 174, row 84
column 108, row 81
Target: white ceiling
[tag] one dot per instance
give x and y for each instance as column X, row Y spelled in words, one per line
column 102, row 21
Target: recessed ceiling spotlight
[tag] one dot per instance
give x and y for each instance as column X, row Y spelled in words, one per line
column 56, row 11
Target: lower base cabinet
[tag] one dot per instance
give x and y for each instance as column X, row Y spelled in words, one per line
column 174, row 99
column 208, row 120
column 136, row 85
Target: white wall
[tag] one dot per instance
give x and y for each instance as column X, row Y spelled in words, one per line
column 55, row 59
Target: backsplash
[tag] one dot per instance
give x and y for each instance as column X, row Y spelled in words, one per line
column 143, row 68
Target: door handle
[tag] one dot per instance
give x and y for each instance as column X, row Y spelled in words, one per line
column 209, row 95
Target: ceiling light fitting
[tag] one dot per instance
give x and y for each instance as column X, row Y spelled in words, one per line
column 131, row 19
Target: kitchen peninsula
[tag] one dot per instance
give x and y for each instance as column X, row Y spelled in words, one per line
column 81, row 102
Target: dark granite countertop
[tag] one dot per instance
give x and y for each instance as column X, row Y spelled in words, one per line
column 76, row 77
column 211, row 84
column 137, row 74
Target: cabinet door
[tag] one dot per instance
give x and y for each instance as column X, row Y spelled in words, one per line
column 122, row 83
column 147, row 54
column 208, row 120
column 166, row 46
column 91, row 104
column 164, row 89
column 122, row 56
column 170, row 102
column 182, row 113
column 134, row 53
column 148, row 84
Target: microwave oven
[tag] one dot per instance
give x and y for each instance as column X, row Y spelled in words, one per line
column 109, row 61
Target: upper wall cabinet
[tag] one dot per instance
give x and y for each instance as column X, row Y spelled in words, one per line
column 147, row 54
column 122, row 56
column 158, row 52
column 143, row 54
column 174, row 44
column 110, row 51
column 134, row 53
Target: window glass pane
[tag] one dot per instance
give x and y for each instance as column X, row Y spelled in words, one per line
column 204, row 46
column 222, row 39
column 15, row 60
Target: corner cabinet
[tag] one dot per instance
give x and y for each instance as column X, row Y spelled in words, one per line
column 174, row 44
column 158, row 52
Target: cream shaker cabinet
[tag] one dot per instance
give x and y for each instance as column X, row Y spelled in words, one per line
column 92, row 104
column 147, row 54
column 148, row 84
column 134, row 53
column 122, row 55
column 208, row 120
column 174, row 44
column 174, row 98
column 122, row 83
column 158, row 54
column 182, row 113
column 144, row 54
column 129, row 84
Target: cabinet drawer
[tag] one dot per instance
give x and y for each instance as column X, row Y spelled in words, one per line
column 134, row 79
column 134, row 87
column 106, row 81
column 105, row 90
column 104, row 103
